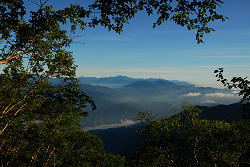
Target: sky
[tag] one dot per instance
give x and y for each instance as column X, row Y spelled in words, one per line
column 168, row 51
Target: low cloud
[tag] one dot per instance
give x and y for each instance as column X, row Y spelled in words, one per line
column 192, row 94
column 235, row 92
column 126, row 122
column 216, row 94
column 208, row 101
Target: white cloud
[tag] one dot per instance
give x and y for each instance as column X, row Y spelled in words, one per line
column 216, row 94
column 126, row 122
column 192, row 94
column 235, row 92
column 208, row 101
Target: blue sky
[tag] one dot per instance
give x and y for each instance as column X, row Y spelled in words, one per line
column 168, row 51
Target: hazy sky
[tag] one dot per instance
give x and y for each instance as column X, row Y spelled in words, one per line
column 168, row 51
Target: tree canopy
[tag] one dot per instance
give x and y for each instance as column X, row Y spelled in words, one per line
column 187, row 140
column 191, row 14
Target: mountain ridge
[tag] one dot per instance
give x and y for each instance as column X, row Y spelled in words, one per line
column 162, row 96
column 123, row 80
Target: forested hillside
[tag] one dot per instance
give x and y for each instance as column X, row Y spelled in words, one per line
column 122, row 140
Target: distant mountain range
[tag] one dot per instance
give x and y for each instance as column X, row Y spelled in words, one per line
column 119, row 98
column 120, row 81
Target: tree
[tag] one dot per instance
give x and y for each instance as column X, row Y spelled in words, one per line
column 39, row 120
column 186, row 140
column 238, row 83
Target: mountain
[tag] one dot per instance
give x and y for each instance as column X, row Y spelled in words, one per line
column 156, row 88
column 142, row 89
column 164, row 97
column 113, row 82
column 102, row 95
column 119, row 81
column 112, row 114
column 229, row 113
column 123, row 141
column 119, row 98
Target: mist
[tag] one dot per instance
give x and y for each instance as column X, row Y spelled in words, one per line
column 117, row 105
column 107, row 126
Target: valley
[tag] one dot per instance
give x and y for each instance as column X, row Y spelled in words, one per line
column 118, row 104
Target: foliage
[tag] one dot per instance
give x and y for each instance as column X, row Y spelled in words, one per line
column 186, row 140
column 238, row 83
column 192, row 14
column 50, row 148
column 40, row 121
column 40, row 124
